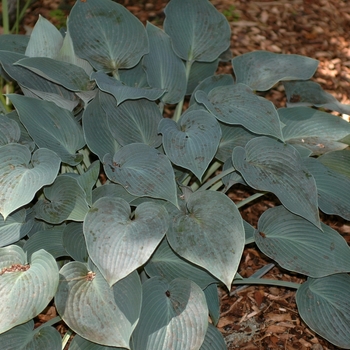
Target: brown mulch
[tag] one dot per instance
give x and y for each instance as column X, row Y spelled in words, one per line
column 262, row 317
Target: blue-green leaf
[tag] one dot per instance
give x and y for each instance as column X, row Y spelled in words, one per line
column 261, row 70
column 232, row 136
column 96, row 130
column 14, row 42
column 9, row 130
column 210, row 234
column 24, row 337
column 107, row 35
column 269, row 165
column 66, row 74
column 199, row 72
column 315, row 130
column 309, row 93
column 113, row 191
column 126, row 242
column 213, row 339
column 338, row 161
column 299, row 246
column 192, row 144
column 25, row 290
column 173, row 316
column 197, row 30
column 212, row 296
column 64, row 200
column 167, row 264
column 32, row 83
column 74, row 241
column 324, row 305
column 123, row 92
column 143, row 171
column 331, row 185
column 133, row 121
column 164, row 69
column 110, row 313
column 51, row 127
column 15, row 227
column 45, row 40
column 238, row 105
column 50, row 240
column 79, row 343
column 209, row 83
column 22, row 176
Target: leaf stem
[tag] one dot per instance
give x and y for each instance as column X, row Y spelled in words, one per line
column 5, row 17
column 50, row 322
column 217, row 177
column 250, row 199
column 66, row 338
column 265, row 281
column 178, row 109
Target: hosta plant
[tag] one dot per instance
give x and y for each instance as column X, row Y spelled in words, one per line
column 114, row 170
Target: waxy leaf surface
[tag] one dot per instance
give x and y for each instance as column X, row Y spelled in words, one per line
column 192, row 144
column 119, row 244
column 269, row 165
column 210, row 234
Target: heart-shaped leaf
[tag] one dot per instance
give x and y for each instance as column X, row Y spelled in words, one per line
column 261, row 70
column 15, row 227
column 198, row 31
column 315, row 130
column 238, row 105
column 122, row 92
column 118, row 39
column 20, row 180
column 332, row 199
column 143, row 171
column 65, row 200
column 164, row 69
column 192, row 144
column 167, row 264
column 133, row 121
column 25, row 337
column 45, row 40
column 100, row 313
column 126, row 242
column 25, row 290
column 210, row 234
column 96, row 130
column 173, row 315
column 323, row 304
column 66, row 74
column 299, row 246
column 269, row 165
column 51, row 127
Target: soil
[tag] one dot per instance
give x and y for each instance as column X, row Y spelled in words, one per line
column 262, row 317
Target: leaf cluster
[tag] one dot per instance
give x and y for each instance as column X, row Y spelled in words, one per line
column 132, row 259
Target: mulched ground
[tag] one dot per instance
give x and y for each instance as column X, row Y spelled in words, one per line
column 261, row 317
